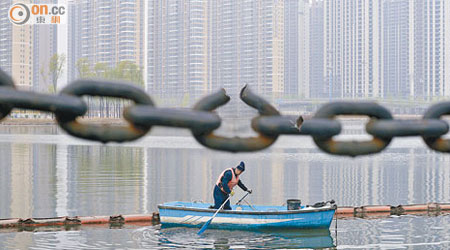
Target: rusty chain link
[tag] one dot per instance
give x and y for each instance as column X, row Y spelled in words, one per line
column 105, row 132
column 6, row 83
column 352, row 148
column 202, row 120
column 236, row 144
column 435, row 141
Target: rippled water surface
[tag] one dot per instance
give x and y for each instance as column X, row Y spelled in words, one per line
column 45, row 174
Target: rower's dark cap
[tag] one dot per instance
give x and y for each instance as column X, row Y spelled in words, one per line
column 241, row 166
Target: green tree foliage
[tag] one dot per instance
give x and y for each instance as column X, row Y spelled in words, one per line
column 56, row 68
column 83, row 67
column 53, row 70
column 124, row 71
column 128, row 71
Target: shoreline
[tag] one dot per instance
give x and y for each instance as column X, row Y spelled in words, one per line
column 120, row 121
column 49, row 121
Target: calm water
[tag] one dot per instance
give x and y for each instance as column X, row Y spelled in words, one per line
column 45, row 174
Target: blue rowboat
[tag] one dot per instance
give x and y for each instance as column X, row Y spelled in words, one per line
column 193, row 214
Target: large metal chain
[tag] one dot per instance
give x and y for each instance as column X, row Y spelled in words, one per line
column 203, row 121
column 106, row 132
column 236, row 144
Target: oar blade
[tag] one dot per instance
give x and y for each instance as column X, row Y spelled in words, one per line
column 204, row 226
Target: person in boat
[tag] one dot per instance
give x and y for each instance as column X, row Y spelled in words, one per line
column 227, row 180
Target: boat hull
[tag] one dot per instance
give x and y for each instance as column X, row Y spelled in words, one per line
column 244, row 217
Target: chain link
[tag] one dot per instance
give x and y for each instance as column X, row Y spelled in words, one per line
column 352, row 148
column 436, row 142
column 63, row 104
column 202, row 120
column 400, row 128
column 236, row 144
column 295, row 125
column 105, row 132
column 5, row 82
column 198, row 121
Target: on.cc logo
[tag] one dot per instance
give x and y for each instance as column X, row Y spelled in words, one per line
column 19, row 14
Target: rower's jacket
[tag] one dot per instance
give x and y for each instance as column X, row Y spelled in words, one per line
column 227, row 176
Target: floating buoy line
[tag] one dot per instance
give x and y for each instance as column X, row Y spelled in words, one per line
column 69, row 223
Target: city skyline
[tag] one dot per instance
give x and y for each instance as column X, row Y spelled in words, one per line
column 105, row 32
column 305, row 49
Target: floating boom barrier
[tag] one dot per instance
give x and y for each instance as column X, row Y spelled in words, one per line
column 117, row 221
column 70, row 222
column 371, row 211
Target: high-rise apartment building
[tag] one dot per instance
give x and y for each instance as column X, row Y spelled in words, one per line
column 397, row 53
column 415, row 40
column 235, row 46
column 391, row 48
column 74, row 42
column 431, row 22
column 353, row 48
column 295, row 15
column 318, row 88
column 197, row 46
column 45, row 44
column 177, row 50
column 106, row 32
column 247, row 46
column 16, row 49
column 5, row 38
column 303, row 64
column 25, row 51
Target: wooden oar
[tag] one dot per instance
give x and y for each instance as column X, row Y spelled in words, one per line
column 204, row 227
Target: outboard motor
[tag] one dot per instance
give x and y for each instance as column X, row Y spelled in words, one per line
column 293, row 204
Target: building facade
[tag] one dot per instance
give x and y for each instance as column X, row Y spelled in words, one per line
column 45, row 44
column 25, row 51
column 353, row 48
column 198, row 46
column 16, row 49
column 397, row 73
column 431, row 27
column 391, row 49
column 106, row 32
column 247, row 46
column 177, row 51
column 295, row 15
column 5, row 38
column 415, row 39
column 74, row 42
column 317, row 85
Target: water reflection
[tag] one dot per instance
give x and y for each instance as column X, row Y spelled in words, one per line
column 55, row 175
column 225, row 239
column 43, row 180
column 29, row 129
column 404, row 232
column 312, row 239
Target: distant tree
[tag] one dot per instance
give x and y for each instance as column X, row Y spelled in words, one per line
column 102, row 70
column 124, row 71
column 128, row 71
column 84, row 68
column 44, row 75
column 185, row 101
column 56, row 68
